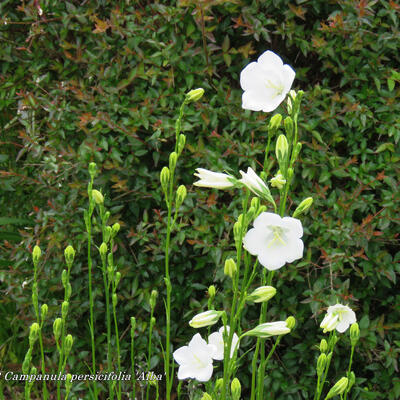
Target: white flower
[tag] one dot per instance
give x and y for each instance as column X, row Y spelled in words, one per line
column 217, row 340
column 265, row 83
column 253, row 182
column 275, row 240
column 212, row 179
column 205, row 318
column 195, row 360
column 339, row 317
column 269, row 329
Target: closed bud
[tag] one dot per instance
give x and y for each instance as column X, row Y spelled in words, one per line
column 218, row 384
column 57, row 325
column 108, row 233
column 269, row 329
column 92, row 169
column 194, row 95
column 68, row 384
column 323, row 346
column 64, row 309
column 354, row 333
column 206, row 396
column 274, row 123
column 117, row 278
column 69, row 341
column 68, row 291
column 110, row 273
column 278, row 181
column 164, row 178
column 152, row 322
column 261, row 294
column 261, row 210
column 352, row 380
column 206, row 318
column 281, row 149
column 173, row 158
column 33, row 333
column 103, row 250
column 230, row 267
column 180, row 195
column 290, row 99
column 36, row 253
column 43, row 312
column 321, row 364
column 255, row 203
column 296, row 150
column 236, row 389
column 133, row 326
column 34, row 297
column 289, row 126
column 27, row 361
column 303, row 207
column 250, row 214
column 97, row 196
column 290, row 322
column 33, row 372
column 64, row 277
column 338, row 388
column 115, row 228
column 69, row 254
column 114, row 299
column 329, row 357
column 181, row 143
column 211, row 292
column 153, row 298
column 106, row 216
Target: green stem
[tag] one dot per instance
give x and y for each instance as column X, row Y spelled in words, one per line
column 133, row 378
column 349, row 370
column 149, row 351
column 331, row 346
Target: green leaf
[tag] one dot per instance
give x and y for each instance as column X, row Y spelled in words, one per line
column 390, row 83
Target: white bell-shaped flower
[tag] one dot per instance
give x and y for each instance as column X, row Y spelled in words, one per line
column 217, row 340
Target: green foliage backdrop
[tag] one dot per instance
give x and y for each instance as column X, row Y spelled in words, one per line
column 101, row 81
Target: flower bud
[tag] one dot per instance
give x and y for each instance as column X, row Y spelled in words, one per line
column 173, row 158
column 290, row 173
column 92, row 169
column 133, row 326
column 153, row 298
column 33, row 333
column 291, row 98
column 117, row 278
column 180, row 195
column 338, row 388
column 321, row 364
column 290, row 322
column 33, row 372
column 69, row 254
column 296, row 150
column 194, row 95
column 261, row 294
column 97, row 196
column 281, row 149
column 164, row 178
column 218, row 384
column 236, row 389
column 64, row 309
column 57, row 325
column 69, row 341
column 289, row 126
column 255, row 203
column 68, row 291
column 43, row 312
column 303, row 207
column 354, row 333
column 68, row 385
column 106, row 216
column 64, row 278
column 230, row 267
column 205, row 318
column 206, row 396
column 114, row 299
column 115, row 229
column 323, row 346
column 278, row 181
column 211, row 292
column 34, row 296
column 152, row 322
column 36, row 253
column 27, row 361
column 274, row 122
column 181, row 143
column 352, row 380
column 103, row 250
column 269, row 329
column 329, row 322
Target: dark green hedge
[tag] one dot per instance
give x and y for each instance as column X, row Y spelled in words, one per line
column 101, row 81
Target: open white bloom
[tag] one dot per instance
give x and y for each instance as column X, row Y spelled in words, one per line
column 212, row 179
column 275, row 240
column 217, row 340
column 253, row 182
column 269, row 329
column 195, row 360
column 338, row 317
column 265, row 82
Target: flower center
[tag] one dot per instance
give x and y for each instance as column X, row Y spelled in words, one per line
column 277, row 232
column 278, row 88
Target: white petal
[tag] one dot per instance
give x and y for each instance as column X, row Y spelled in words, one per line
column 252, row 100
column 342, row 326
column 255, row 241
column 204, row 374
column 294, row 225
column 273, row 259
column 294, row 249
column 269, row 60
column 266, row 219
column 272, row 102
column 289, row 75
column 216, row 340
column 182, row 355
column 251, row 77
column 186, row 371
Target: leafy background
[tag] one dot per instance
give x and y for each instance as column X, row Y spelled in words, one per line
column 101, row 81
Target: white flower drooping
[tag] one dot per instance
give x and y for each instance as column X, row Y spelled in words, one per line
column 253, row 182
column 265, row 82
column 275, row 240
column 195, row 360
column 338, row 317
column 212, row 179
column 217, row 340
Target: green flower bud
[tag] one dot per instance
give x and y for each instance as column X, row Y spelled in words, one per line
column 274, row 123
column 255, row 203
column 268, row 329
column 152, row 322
column 338, row 388
column 153, row 299
column 92, row 169
column 68, row 291
column 289, row 126
column 117, row 278
column 303, row 207
column 43, row 312
column 296, row 150
column 236, row 389
column 206, row 318
column 290, row 322
column 194, row 95
column 218, row 384
column 206, row 396
column 97, row 196
column 33, row 333
column 114, row 299
column 34, row 297
column 211, row 292
column 281, row 149
column 69, row 254
column 103, row 250
column 27, row 361
column 291, row 98
column 69, row 341
column 323, row 346
column 352, row 380
column 106, row 216
column 290, row 173
column 321, row 364
column 33, row 372
column 115, row 228
column 68, row 385
column 110, row 273
column 250, row 213
column 354, row 333
column 64, row 278
column 133, row 326
column 64, row 309
column 108, row 233
column 230, row 267
column 57, row 325
column 261, row 294
column 181, row 143
column 164, row 178
column 173, row 158
column 180, row 195
column 36, row 253
column 278, row 181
